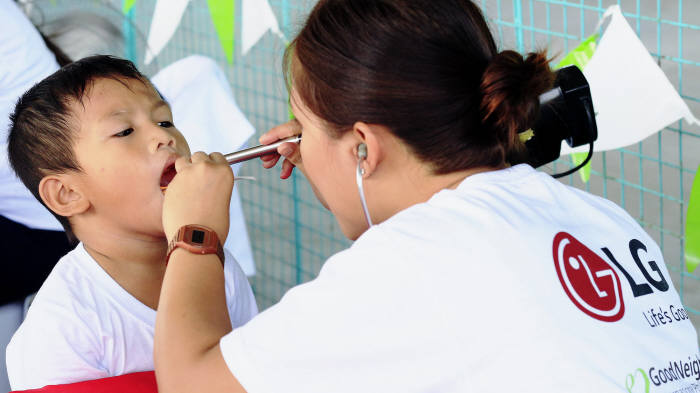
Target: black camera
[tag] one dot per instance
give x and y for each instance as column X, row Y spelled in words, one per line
column 566, row 113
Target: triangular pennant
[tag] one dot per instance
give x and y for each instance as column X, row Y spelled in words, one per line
column 223, row 15
column 692, row 227
column 166, row 18
column 257, row 19
column 581, row 55
column 585, row 171
column 127, row 5
column 632, row 97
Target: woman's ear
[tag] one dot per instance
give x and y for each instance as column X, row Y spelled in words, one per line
column 62, row 195
column 373, row 137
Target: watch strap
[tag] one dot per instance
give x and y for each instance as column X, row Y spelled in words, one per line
column 196, row 239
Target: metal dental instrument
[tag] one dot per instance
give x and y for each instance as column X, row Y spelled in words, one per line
column 258, row 151
column 253, row 152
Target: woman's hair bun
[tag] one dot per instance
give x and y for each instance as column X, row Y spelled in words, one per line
column 510, row 87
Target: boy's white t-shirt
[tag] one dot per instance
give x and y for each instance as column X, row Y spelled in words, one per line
column 83, row 325
column 505, row 284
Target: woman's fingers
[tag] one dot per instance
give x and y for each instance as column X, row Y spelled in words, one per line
column 270, row 160
column 292, row 158
column 282, row 131
column 290, row 151
column 287, row 169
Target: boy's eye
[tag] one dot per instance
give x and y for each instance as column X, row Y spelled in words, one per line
column 166, row 124
column 125, row 132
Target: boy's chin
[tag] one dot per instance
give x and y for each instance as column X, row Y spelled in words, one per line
column 156, row 221
column 160, row 235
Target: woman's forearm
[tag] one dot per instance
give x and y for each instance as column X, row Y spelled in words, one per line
column 191, row 319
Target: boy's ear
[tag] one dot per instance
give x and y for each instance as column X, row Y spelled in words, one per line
column 62, row 195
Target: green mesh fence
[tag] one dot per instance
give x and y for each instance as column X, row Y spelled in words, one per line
column 292, row 234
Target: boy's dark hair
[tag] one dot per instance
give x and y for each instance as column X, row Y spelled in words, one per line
column 42, row 131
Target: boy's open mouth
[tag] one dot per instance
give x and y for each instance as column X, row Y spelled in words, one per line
column 168, row 175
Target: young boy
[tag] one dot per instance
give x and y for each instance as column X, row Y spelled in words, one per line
column 95, row 143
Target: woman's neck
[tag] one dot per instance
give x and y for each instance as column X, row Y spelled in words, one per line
column 407, row 182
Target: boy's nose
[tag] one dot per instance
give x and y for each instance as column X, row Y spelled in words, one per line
column 162, row 137
column 169, row 142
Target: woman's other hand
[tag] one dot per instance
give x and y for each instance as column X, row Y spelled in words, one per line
column 290, row 151
column 200, row 194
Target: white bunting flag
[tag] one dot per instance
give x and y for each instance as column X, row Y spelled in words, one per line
column 632, row 97
column 258, row 18
column 166, row 19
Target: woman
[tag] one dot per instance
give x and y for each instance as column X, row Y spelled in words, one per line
column 466, row 274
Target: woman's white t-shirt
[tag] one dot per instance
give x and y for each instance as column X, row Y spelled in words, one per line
column 505, row 284
column 83, row 325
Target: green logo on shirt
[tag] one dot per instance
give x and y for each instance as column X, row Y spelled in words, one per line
column 676, row 372
column 630, row 381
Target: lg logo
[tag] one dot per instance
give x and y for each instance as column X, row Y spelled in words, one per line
column 592, row 283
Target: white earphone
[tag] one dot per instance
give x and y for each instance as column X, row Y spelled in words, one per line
column 361, row 156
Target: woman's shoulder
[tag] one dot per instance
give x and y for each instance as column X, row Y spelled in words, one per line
column 519, row 208
column 522, row 191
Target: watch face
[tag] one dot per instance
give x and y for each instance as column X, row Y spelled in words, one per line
column 197, row 236
column 197, row 239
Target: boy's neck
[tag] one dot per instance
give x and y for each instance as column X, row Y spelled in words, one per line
column 135, row 262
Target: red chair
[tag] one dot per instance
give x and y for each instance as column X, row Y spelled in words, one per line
column 143, row 382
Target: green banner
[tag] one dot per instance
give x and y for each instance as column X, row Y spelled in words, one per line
column 580, row 57
column 223, row 15
column 585, row 171
column 692, row 227
column 127, row 5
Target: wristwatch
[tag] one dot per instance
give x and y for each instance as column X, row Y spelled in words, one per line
column 196, row 239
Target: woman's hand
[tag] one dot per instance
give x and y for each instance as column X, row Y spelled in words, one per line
column 288, row 150
column 200, row 193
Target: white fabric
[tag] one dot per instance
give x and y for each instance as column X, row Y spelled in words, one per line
column 461, row 294
column 206, row 113
column 82, row 325
column 24, row 61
